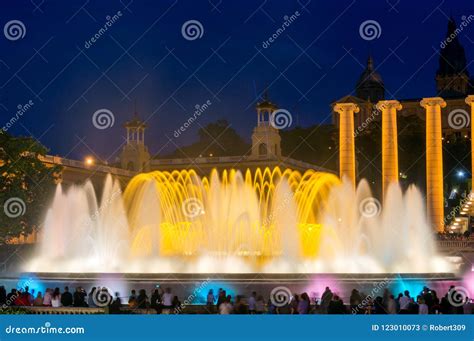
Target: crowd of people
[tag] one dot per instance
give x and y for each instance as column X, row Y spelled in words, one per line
column 466, row 236
column 165, row 302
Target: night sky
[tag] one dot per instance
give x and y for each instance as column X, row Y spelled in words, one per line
column 144, row 57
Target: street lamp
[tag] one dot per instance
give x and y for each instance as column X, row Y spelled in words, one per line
column 89, row 161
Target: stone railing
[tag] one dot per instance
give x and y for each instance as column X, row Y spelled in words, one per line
column 79, row 164
column 456, row 244
column 64, row 310
column 235, row 159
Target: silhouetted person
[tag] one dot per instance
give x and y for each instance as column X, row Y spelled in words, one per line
column 220, row 298
column 80, row 298
column 304, row 304
column 176, row 305
column 379, row 306
column 132, row 299
column 90, row 297
column 325, row 300
column 66, row 298
column 240, row 307
column 253, row 303
column 56, row 298
column 115, row 305
column 404, row 302
column 3, row 295
column 142, row 299
column 155, row 301
column 354, row 301
column 336, row 306
column 294, row 304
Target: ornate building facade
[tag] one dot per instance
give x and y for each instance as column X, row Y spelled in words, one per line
column 452, row 82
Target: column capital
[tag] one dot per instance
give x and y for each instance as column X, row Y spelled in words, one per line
column 470, row 100
column 344, row 107
column 432, row 101
column 381, row 105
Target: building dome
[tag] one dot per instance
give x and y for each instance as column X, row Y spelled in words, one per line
column 266, row 104
column 370, row 84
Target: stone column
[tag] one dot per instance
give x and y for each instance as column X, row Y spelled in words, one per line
column 389, row 142
column 346, row 140
column 470, row 101
column 434, row 161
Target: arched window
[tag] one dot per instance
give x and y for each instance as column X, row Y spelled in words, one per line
column 262, row 149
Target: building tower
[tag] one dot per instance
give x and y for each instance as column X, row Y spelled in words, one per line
column 135, row 155
column 452, row 77
column 346, row 140
column 266, row 140
column 434, row 161
column 370, row 86
column 389, row 142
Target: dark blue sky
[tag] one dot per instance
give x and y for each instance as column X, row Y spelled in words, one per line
column 144, row 56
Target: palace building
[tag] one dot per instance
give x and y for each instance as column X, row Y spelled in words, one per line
column 265, row 150
column 452, row 83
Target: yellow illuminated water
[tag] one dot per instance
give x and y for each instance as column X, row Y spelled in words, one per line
column 269, row 221
column 228, row 213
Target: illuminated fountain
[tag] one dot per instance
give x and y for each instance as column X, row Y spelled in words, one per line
column 269, row 221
